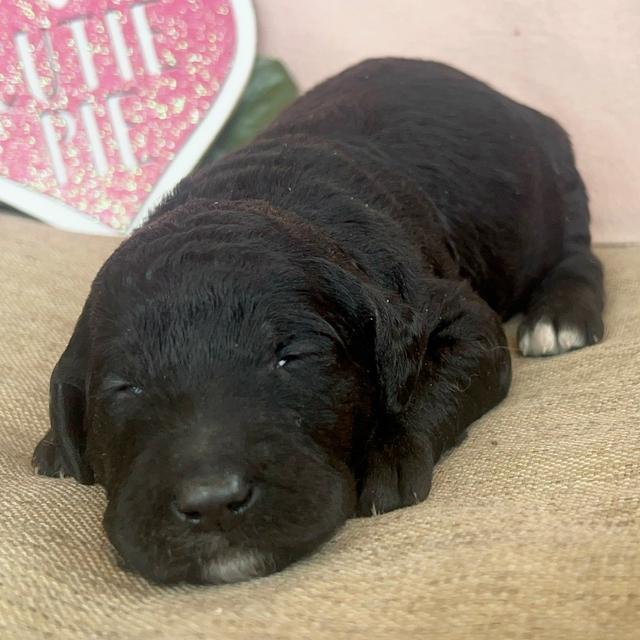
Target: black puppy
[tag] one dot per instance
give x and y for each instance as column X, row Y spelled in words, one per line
column 303, row 328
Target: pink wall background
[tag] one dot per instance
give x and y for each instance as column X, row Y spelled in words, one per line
column 576, row 60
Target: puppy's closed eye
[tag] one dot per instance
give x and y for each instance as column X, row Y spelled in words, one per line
column 291, row 359
column 296, row 353
column 130, row 389
column 118, row 388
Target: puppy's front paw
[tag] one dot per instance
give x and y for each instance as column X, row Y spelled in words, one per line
column 398, row 474
column 47, row 460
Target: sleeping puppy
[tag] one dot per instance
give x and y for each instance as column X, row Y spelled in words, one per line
column 302, row 328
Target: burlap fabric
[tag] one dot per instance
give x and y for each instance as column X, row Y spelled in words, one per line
column 532, row 529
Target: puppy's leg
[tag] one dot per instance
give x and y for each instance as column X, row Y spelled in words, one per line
column 465, row 371
column 47, row 459
column 565, row 311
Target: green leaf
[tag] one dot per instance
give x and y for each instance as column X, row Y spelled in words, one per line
column 269, row 91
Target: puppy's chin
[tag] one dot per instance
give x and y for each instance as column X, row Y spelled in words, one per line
column 228, row 567
column 199, row 566
column 236, row 567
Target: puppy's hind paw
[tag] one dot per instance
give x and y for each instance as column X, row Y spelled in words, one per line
column 547, row 336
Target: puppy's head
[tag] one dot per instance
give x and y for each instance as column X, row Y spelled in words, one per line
column 221, row 384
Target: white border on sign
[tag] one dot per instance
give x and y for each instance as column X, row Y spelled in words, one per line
column 63, row 216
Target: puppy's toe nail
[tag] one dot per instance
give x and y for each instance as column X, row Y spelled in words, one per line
column 525, row 344
column 571, row 338
column 539, row 341
column 543, row 339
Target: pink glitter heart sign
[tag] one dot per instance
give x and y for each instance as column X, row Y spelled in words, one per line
column 106, row 104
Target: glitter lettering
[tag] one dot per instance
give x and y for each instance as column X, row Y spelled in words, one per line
column 59, row 126
column 121, row 131
column 85, row 55
column 27, row 60
column 145, row 38
column 52, row 138
column 119, row 45
column 95, row 141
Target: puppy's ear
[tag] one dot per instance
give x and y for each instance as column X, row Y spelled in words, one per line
column 386, row 335
column 401, row 340
column 67, row 402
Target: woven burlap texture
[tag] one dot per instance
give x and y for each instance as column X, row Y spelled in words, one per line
column 532, row 529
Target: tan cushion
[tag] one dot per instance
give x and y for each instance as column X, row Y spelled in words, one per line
column 532, row 529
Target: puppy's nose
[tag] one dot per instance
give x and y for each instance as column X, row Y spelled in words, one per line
column 215, row 503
